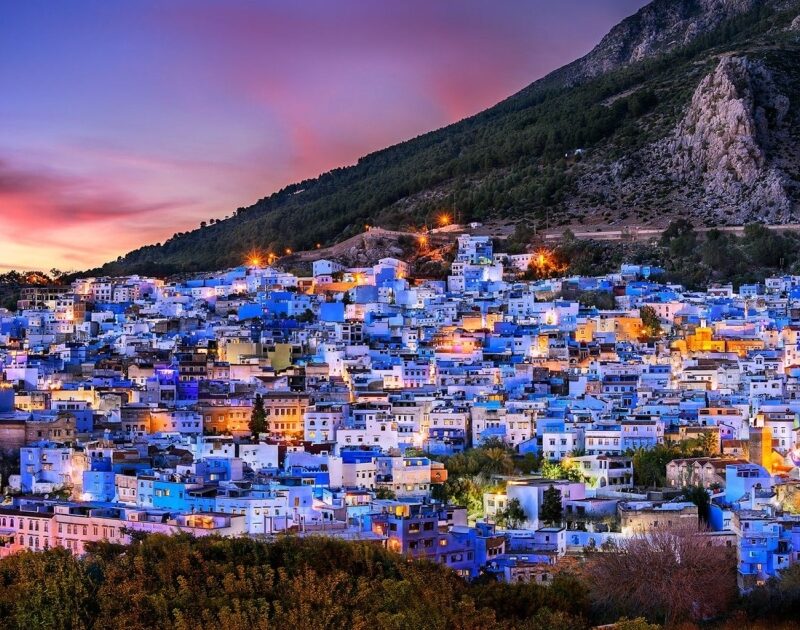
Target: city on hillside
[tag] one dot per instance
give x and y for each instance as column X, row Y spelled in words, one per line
column 498, row 427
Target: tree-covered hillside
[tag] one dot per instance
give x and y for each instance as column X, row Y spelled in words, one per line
column 182, row 582
column 548, row 155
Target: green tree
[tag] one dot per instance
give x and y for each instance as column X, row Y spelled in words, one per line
column 258, row 417
column 707, row 442
column 651, row 324
column 640, row 623
column 512, row 516
column 528, row 463
column 306, row 317
column 562, row 470
column 778, row 598
column 699, row 496
column 603, row 300
column 550, row 511
column 766, row 247
column 680, row 238
column 551, row 470
column 650, row 465
column 382, row 492
column 468, row 492
column 9, row 465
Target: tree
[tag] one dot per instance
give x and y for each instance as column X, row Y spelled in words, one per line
column 497, row 460
column 467, row 492
column 640, row 623
column 528, row 463
column 651, row 324
column 52, row 589
column 766, row 248
column 512, row 516
column 778, row 598
column 258, row 417
column 563, row 470
column 707, row 442
column 650, row 465
column 669, row 575
column 550, row 510
column 9, row 465
column 603, row 300
column 699, row 496
column 551, row 470
column 382, row 492
column 680, row 237
column 307, row 316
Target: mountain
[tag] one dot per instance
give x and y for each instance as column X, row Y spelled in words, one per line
column 689, row 108
column 657, row 28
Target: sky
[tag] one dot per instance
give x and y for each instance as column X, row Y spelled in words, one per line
column 123, row 122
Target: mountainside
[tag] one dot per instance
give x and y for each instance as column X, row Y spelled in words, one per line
column 657, row 28
column 688, row 108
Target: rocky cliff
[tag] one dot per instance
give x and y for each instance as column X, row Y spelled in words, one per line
column 657, row 28
column 723, row 143
column 730, row 159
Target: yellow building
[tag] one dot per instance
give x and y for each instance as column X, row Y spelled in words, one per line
column 584, row 332
column 703, row 341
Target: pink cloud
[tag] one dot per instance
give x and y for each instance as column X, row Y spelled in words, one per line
column 195, row 108
column 47, row 201
column 53, row 216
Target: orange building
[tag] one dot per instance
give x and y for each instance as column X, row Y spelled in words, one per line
column 286, row 414
column 703, row 341
column 225, row 419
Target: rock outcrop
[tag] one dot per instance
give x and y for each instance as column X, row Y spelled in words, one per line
column 657, row 28
column 723, row 139
column 729, row 158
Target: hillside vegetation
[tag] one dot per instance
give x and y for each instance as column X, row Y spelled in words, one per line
column 314, row 583
column 636, row 131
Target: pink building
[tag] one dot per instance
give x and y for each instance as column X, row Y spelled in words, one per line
column 39, row 525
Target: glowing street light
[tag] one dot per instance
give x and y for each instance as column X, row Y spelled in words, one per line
column 254, row 258
column 542, row 259
column 288, row 251
column 444, row 220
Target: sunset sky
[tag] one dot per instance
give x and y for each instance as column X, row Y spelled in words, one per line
column 123, row 122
